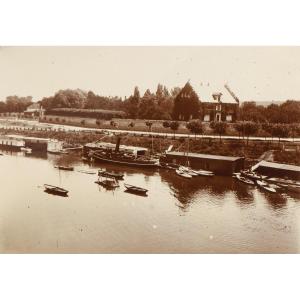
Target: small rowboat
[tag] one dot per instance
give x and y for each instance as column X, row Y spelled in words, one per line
column 135, row 189
column 283, row 181
column 245, row 180
column 196, row 172
column 265, row 186
column 169, row 166
column 58, row 151
column 103, row 173
column 52, row 189
column 204, row 173
column 109, row 183
column 183, row 174
column 65, row 168
column 188, row 171
column 252, row 175
column 87, row 172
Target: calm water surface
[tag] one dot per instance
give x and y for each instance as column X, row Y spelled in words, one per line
column 201, row 215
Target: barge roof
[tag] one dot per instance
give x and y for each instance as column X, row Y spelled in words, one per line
column 204, row 156
column 274, row 165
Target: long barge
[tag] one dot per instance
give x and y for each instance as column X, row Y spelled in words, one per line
column 120, row 154
column 122, row 160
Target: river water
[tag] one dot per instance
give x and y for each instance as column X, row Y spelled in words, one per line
column 201, row 215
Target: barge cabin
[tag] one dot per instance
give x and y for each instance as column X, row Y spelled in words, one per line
column 220, row 165
column 277, row 170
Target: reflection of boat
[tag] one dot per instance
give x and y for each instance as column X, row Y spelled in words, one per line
column 293, row 188
column 183, row 174
column 110, row 174
column 65, row 168
column 109, row 183
column 265, row 186
column 245, row 180
column 52, row 189
column 135, row 189
column 26, row 149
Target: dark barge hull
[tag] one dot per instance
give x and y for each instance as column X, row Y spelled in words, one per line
column 125, row 163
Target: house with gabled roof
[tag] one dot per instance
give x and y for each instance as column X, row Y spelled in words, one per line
column 206, row 102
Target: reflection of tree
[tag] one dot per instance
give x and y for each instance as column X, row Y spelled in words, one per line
column 186, row 190
column 111, row 167
column 243, row 192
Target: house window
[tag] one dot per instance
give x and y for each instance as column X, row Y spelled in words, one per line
column 229, row 118
column 206, row 118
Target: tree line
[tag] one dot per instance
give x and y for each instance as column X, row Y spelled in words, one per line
column 160, row 105
column 153, row 106
column 15, row 104
column 245, row 129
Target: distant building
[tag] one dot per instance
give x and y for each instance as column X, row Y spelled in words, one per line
column 214, row 103
column 83, row 117
column 34, row 110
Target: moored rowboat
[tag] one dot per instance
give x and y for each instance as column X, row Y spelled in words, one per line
column 245, row 180
column 265, row 186
column 52, row 189
column 110, row 174
column 65, row 168
column 135, row 189
column 183, row 174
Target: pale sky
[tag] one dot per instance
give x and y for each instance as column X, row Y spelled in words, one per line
column 253, row 73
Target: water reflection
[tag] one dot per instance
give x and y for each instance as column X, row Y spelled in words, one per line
column 276, row 201
column 178, row 215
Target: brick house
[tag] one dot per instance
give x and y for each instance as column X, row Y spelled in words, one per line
column 206, row 102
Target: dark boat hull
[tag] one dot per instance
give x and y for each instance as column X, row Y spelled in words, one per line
column 110, row 175
column 135, row 190
column 54, row 190
column 124, row 162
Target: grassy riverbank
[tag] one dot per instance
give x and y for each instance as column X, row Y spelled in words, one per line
column 252, row 151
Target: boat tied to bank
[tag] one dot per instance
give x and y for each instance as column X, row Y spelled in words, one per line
column 183, row 174
column 123, row 155
column 245, row 180
column 265, row 186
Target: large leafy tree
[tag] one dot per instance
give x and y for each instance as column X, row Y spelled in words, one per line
column 186, row 104
column 196, row 127
column 219, row 128
column 17, row 104
column 174, row 126
column 132, row 104
column 250, row 128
